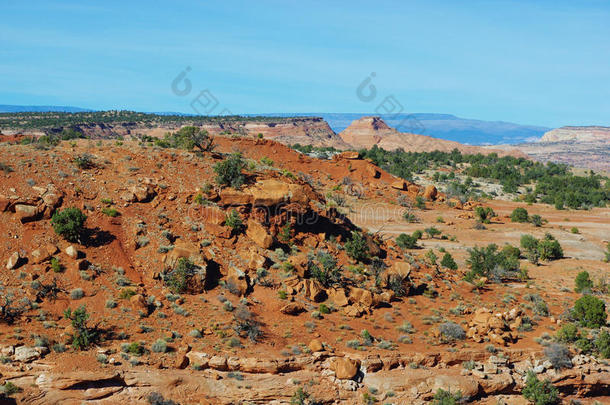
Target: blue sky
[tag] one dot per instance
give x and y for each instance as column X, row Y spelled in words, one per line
column 542, row 62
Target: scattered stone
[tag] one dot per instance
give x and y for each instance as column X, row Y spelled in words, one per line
column 13, row 261
column 430, row 192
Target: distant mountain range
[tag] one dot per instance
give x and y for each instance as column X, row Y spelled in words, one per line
column 6, row 108
column 444, row 126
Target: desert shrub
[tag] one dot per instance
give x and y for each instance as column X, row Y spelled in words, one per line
column 56, row 265
column 405, row 241
column 583, row 282
column 602, row 344
column 233, row 221
column 84, row 161
column 451, row 331
column 484, row 214
column 487, row 262
column 9, row 389
column 559, row 356
column 83, row 336
column 177, row 279
column 111, row 212
column 69, row 224
column 568, row 333
column 133, row 348
column 160, row 346
column 357, row 247
column 530, row 245
column 448, row 262
column 549, row 248
column 77, row 294
column 539, row 392
column 229, row 171
column 397, row 286
column 607, row 253
column 188, row 137
column 519, row 215
column 420, row 202
column 539, row 305
column 590, row 311
column 324, row 269
column 442, row 397
column 246, row 325
column 432, row 232
column 536, row 220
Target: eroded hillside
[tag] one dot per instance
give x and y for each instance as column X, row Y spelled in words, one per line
column 256, row 274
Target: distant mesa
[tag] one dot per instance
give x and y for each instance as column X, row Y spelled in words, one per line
column 366, row 132
column 581, row 134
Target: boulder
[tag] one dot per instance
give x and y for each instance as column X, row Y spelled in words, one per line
column 5, row 203
column 13, row 261
column 373, row 171
column 313, row 290
column 398, row 270
column 430, row 192
column 361, row 297
column 292, row 309
column 399, row 185
column 40, row 255
column 143, row 193
column 257, row 232
column 231, row 197
column 25, row 354
column 237, row 282
column 138, row 303
column 300, row 263
column 315, row 345
column 270, row 192
column 27, row 213
column 72, row 251
column 198, row 358
column 345, row 368
column 338, row 296
column 256, row 261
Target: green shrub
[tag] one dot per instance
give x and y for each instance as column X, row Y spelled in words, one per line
column 68, row 224
column 189, row 138
column 549, row 248
column 536, row 220
column 519, row 215
column 84, row 161
column 420, row 202
column 324, row 269
column 357, row 247
column 229, row 171
column 83, row 336
column 448, row 262
column 9, row 389
column 405, row 241
column 539, row 392
column 568, row 333
column 590, row 311
column 583, row 282
column 133, row 348
column 233, row 221
column 432, row 232
column 442, row 397
column 602, row 344
column 177, row 279
column 111, row 212
column 484, row 214
column 530, row 245
column 56, row 265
